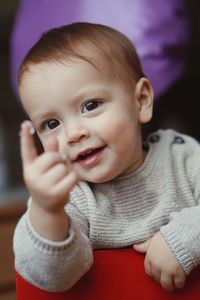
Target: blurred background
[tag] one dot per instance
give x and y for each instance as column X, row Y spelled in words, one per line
column 12, row 191
column 10, row 112
column 166, row 35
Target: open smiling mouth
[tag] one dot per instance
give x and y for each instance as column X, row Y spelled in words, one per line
column 89, row 153
column 91, row 157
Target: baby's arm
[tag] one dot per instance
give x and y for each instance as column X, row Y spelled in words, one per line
column 161, row 264
column 51, row 250
column 180, row 237
column 49, row 180
column 174, row 251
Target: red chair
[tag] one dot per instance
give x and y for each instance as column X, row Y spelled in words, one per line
column 116, row 274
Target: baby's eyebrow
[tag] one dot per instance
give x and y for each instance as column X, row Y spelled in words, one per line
column 92, row 90
column 41, row 116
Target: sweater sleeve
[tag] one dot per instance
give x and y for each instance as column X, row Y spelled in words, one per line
column 182, row 233
column 49, row 265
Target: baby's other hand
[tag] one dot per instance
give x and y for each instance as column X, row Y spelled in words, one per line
column 161, row 264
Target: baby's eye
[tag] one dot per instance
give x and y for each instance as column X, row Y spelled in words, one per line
column 90, row 105
column 51, row 124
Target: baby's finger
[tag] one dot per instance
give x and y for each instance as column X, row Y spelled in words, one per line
column 166, row 282
column 51, row 144
column 142, row 247
column 27, row 145
column 66, row 184
column 56, row 173
column 147, row 266
column 179, row 279
column 156, row 274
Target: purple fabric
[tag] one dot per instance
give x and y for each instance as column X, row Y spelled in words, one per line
column 159, row 29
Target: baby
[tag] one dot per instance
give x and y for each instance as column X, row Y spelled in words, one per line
column 97, row 185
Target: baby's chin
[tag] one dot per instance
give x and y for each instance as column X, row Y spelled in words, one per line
column 96, row 178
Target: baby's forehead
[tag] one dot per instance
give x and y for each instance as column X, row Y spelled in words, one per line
column 98, row 62
column 97, row 59
column 110, row 67
column 72, row 70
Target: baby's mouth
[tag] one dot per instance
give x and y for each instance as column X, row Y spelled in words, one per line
column 89, row 153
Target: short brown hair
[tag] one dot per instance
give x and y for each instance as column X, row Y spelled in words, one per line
column 74, row 41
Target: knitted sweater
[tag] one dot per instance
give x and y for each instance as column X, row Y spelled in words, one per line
column 163, row 194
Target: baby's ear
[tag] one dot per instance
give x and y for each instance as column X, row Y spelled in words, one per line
column 144, row 99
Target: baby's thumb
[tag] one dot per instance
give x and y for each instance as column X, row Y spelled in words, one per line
column 141, row 247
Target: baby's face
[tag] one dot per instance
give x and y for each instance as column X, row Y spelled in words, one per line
column 95, row 119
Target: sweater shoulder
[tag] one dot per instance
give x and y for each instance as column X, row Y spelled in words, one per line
column 174, row 141
column 182, row 150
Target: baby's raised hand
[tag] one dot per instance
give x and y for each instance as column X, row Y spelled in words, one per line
column 49, row 179
column 161, row 264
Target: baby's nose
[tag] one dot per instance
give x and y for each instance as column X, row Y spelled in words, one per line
column 75, row 135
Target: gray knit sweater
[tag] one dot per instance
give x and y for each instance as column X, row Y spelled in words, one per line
column 163, row 194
